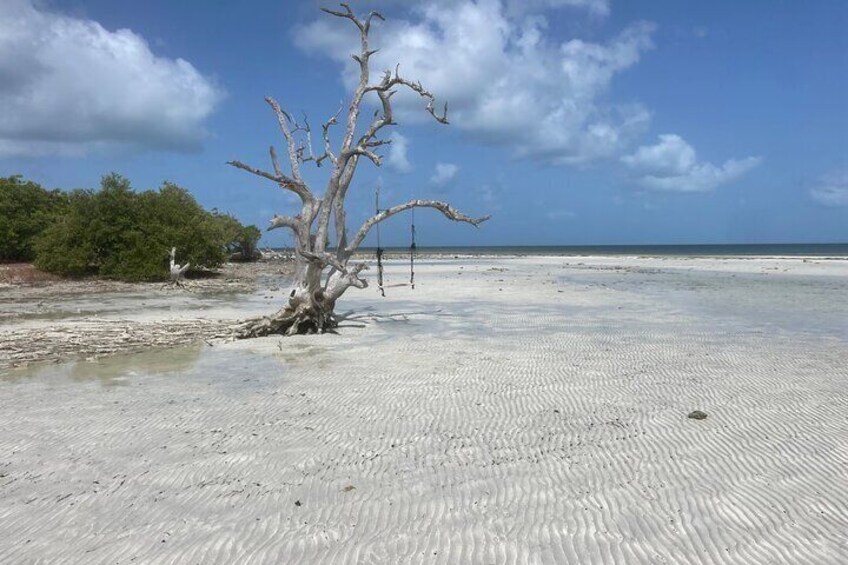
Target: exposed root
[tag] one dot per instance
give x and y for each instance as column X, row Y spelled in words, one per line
column 288, row 321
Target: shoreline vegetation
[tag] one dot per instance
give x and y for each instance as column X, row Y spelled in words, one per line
column 116, row 232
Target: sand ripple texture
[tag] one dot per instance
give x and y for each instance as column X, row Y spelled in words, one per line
column 542, row 423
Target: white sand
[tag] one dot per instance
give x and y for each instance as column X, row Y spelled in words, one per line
column 535, row 414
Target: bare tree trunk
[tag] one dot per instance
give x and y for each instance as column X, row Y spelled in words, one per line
column 309, row 310
column 312, row 300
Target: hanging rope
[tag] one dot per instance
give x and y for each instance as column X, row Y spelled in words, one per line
column 412, row 254
column 379, row 248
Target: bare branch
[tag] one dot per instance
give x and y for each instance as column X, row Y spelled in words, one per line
column 376, row 159
column 328, row 151
column 378, row 142
column 390, row 81
column 308, row 131
column 260, row 172
column 364, row 26
column 334, row 186
column 276, row 163
column 283, row 119
column 298, row 188
column 385, row 91
column 352, row 276
column 371, row 16
column 292, row 223
column 446, row 209
column 348, row 13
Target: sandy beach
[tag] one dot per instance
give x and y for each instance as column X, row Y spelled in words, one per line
column 526, row 410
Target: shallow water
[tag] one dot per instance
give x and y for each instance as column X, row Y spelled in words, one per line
column 114, row 369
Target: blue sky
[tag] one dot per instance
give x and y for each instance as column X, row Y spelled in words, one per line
column 573, row 121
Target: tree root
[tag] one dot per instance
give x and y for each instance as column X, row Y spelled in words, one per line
column 287, row 322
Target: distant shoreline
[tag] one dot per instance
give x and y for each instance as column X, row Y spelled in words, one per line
column 796, row 250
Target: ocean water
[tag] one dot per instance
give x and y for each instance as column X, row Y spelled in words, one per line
column 704, row 250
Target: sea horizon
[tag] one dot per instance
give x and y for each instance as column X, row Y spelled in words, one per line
column 838, row 250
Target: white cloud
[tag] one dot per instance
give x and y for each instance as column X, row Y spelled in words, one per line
column 68, row 84
column 832, row 189
column 599, row 7
column 672, row 165
column 398, row 159
column 444, row 173
column 594, row 7
column 506, row 81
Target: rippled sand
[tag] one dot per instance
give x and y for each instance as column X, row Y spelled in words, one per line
column 505, row 411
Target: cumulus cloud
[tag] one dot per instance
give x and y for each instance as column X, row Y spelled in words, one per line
column 444, row 173
column 67, row 84
column 832, row 189
column 506, row 81
column 596, row 7
column 671, row 165
column 398, row 158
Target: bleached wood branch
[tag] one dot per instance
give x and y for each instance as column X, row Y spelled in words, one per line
column 283, row 120
column 275, row 163
column 446, row 209
column 367, row 142
column 292, row 223
column 328, row 150
column 365, row 152
column 284, row 181
column 351, row 277
column 177, row 271
column 335, row 188
column 364, row 26
column 384, row 90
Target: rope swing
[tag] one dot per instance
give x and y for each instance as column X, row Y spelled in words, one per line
column 412, row 249
column 412, row 254
column 379, row 247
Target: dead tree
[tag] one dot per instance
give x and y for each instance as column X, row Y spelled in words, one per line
column 177, row 271
column 323, row 248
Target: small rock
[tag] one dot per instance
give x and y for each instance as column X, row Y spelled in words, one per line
column 348, row 488
column 698, row 415
column 297, row 503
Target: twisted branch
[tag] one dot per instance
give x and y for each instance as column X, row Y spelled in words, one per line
column 446, row 209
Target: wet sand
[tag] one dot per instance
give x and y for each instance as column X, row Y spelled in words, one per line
column 525, row 410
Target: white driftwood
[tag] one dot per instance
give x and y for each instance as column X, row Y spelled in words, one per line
column 312, row 301
column 177, row 271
